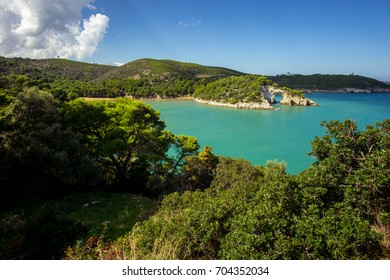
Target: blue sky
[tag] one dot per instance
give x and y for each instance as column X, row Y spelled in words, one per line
column 254, row 36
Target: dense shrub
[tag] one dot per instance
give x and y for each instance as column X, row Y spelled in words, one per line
column 336, row 209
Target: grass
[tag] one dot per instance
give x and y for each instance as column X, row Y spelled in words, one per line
column 118, row 212
column 93, row 215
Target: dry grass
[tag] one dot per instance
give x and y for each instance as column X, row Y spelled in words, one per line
column 384, row 229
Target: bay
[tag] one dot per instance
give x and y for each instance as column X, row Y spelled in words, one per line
column 259, row 136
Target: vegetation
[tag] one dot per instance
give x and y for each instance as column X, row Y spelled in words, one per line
column 328, row 82
column 336, row 209
column 67, row 79
column 50, row 150
column 162, row 69
column 233, row 89
column 53, row 68
column 75, row 174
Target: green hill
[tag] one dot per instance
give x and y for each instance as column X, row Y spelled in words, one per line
column 52, row 68
column 331, row 83
column 162, row 69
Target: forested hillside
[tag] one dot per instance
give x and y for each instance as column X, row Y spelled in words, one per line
column 331, row 83
column 165, row 69
column 52, row 68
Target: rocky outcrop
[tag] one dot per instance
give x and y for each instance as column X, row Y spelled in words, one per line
column 269, row 93
column 297, row 101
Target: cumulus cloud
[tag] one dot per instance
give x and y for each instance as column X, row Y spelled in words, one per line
column 49, row 28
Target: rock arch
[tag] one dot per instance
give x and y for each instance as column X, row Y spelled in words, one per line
column 269, row 93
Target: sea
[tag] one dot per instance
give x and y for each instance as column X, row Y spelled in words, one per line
column 284, row 134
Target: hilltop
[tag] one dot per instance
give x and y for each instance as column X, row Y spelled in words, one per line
column 162, row 69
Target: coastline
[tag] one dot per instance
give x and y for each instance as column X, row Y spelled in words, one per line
column 159, row 98
column 239, row 105
column 347, row 90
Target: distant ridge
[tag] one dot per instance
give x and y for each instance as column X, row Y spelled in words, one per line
column 336, row 83
column 160, row 69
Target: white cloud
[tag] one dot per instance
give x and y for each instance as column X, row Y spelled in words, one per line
column 91, row 7
column 191, row 24
column 49, row 28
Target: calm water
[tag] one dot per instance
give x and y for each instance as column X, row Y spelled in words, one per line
column 258, row 136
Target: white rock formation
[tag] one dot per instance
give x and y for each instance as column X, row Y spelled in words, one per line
column 269, row 93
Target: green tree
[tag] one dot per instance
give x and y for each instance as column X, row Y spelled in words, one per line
column 184, row 146
column 41, row 156
column 199, row 171
column 124, row 136
column 353, row 165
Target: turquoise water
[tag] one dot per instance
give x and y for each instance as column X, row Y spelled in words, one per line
column 259, row 136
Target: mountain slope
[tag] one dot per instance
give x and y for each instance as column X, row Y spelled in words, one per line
column 162, row 69
column 54, row 68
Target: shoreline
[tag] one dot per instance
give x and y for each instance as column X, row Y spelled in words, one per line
column 238, row 105
column 163, row 98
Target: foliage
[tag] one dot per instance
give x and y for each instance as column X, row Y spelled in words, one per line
column 199, row 171
column 255, row 220
column 359, row 162
column 78, row 146
column 40, row 156
column 125, row 137
column 185, row 146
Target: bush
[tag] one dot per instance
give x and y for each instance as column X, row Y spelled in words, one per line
column 251, row 213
